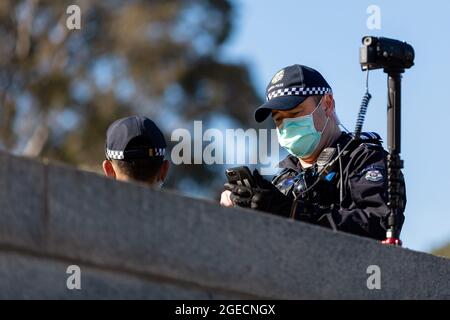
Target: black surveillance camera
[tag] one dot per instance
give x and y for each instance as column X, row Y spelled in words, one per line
column 389, row 54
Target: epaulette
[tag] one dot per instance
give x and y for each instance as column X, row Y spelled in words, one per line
column 368, row 140
column 372, row 137
column 327, row 158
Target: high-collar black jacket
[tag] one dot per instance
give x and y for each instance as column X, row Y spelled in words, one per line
column 352, row 197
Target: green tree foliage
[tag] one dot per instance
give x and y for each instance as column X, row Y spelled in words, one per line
column 61, row 88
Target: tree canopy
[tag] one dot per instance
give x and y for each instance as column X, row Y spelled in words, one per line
column 61, row 88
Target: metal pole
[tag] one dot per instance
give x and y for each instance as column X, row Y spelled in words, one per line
column 394, row 163
column 394, row 112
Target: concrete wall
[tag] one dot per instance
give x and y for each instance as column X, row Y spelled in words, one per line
column 133, row 242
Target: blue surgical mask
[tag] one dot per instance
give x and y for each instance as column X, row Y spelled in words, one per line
column 299, row 135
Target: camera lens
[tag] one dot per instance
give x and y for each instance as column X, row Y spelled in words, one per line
column 367, row 41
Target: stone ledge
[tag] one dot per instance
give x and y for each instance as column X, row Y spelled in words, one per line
column 59, row 211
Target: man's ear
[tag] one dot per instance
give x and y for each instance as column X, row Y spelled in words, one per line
column 163, row 171
column 328, row 101
column 108, row 169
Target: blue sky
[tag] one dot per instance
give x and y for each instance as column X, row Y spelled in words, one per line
column 326, row 35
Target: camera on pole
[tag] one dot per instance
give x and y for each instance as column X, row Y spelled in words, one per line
column 393, row 56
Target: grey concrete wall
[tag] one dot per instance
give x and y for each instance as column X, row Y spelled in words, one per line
column 134, row 242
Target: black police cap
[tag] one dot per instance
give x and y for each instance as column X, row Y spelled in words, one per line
column 291, row 86
column 123, row 131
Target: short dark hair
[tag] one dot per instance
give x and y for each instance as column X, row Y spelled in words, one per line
column 142, row 170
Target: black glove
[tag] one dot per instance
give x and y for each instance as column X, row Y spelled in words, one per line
column 241, row 196
column 265, row 197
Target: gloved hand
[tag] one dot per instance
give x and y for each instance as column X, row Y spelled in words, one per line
column 265, row 197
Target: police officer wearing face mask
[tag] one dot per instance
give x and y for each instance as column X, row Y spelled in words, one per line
column 330, row 178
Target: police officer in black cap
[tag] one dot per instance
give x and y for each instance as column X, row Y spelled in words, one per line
column 135, row 149
column 330, row 178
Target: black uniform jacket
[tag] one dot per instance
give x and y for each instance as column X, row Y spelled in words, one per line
column 351, row 197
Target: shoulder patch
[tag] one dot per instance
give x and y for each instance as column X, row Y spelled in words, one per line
column 373, row 175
